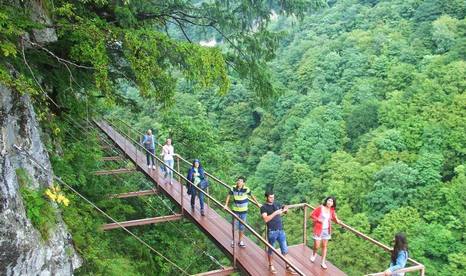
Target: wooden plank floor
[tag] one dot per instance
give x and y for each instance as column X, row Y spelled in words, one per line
column 252, row 260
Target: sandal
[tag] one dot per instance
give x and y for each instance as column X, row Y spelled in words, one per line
column 290, row 270
column 272, row 269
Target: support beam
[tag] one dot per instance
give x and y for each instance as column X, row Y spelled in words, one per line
column 219, row 272
column 133, row 194
column 117, row 171
column 112, row 158
column 139, row 222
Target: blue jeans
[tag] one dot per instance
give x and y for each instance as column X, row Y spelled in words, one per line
column 243, row 217
column 150, row 156
column 277, row 235
column 194, row 191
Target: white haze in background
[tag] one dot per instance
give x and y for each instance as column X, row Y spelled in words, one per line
column 212, row 43
column 208, row 43
column 273, row 15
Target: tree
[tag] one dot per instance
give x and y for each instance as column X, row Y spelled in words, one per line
column 393, row 188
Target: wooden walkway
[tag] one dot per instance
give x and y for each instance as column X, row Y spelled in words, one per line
column 251, row 260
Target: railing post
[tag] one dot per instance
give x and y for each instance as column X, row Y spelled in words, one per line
column 182, row 196
column 305, row 226
column 178, row 167
column 208, row 199
column 423, row 270
column 266, row 237
column 233, row 239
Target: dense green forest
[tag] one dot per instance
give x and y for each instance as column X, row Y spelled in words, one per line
column 363, row 100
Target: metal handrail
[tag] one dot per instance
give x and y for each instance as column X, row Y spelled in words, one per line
column 259, row 237
column 420, row 268
column 306, row 205
column 184, row 160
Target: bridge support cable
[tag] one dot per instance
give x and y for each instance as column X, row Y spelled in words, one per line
column 157, row 195
column 38, row 165
column 101, row 138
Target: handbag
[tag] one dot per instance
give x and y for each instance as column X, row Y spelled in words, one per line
column 204, row 184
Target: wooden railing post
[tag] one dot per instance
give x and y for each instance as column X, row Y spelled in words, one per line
column 305, row 226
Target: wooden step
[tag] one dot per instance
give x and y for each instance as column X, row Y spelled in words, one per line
column 138, row 222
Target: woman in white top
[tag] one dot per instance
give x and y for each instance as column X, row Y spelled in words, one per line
column 167, row 153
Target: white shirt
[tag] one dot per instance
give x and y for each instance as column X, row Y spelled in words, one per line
column 168, row 151
column 325, row 219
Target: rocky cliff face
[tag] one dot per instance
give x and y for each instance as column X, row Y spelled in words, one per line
column 22, row 252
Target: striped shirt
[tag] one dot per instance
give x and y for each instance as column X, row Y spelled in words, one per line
column 240, row 199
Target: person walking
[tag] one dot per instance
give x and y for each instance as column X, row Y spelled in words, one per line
column 271, row 213
column 399, row 255
column 168, row 151
column 149, row 144
column 196, row 177
column 322, row 217
column 241, row 195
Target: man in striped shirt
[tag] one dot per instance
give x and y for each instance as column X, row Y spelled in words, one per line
column 241, row 195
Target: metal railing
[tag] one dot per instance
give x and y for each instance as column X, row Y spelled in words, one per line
column 416, row 267
column 305, row 206
column 180, row 176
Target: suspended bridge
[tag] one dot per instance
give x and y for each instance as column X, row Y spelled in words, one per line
column 251, row 260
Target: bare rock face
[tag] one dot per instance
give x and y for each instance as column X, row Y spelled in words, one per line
column 22, row 252
column 39, row 14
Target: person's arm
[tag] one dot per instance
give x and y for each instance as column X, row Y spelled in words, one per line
column 315, row 215
column 227, row 201
column 335, row 218
column 401, row 260
column 144, row 140
column 255, row 200
column 268, row 218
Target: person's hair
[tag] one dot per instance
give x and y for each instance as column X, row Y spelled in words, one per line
column 400, row 244
column 334, row 202
column 166, row 140
column 268, row 193
column 149, row 132
column 197, row 160
column 241, row 177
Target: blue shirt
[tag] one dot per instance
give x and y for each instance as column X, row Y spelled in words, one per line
column 149, row 141
column 401, row 260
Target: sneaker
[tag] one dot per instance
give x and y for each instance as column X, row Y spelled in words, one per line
column 323, row 265
column 232, row 244
column 241, row 244
column 202, row 212
column 272, row 269
column 153, row 167
column 313, row 257
column 149, row 167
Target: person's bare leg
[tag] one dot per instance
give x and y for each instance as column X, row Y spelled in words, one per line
column 324, row 252
column 241, row 234
column 314, row 250
column 316, row 246
column 271, row 267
